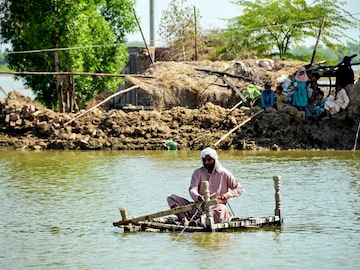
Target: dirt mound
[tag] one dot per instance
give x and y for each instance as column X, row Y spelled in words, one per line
column 195, row 112
column 25, row 127
column 192, row 84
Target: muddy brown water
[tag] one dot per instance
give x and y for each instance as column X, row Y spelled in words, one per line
column 57, row 209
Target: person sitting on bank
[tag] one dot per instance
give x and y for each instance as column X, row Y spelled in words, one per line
column 267, row 96
column 280, row 98
column 313, row 86
column 345, row 74
column 319, row 104
column 338, row 104
column 313, row 89
column 222, row 186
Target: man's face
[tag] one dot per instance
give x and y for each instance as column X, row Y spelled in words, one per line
column 208, row 162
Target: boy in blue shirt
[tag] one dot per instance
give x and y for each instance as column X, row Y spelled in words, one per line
column 267, row 96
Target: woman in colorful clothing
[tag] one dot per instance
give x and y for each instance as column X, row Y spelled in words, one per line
column 300, row 97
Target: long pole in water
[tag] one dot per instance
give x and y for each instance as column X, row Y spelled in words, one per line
column 356, row 138
column 237, row 127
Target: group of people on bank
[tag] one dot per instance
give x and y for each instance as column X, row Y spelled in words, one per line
column 308, row 96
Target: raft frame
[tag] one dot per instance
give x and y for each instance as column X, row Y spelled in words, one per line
column 163, row 222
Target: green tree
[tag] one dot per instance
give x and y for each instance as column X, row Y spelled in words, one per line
column 179, row 26
column 67, row 36
column 268, row 26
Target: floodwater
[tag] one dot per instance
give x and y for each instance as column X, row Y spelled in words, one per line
column 57, row 209
column 8, row 83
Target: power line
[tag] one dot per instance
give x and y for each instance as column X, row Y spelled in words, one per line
column 116, row 44
column 63, row 49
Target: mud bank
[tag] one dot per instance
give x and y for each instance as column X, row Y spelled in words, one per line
column 26, row 125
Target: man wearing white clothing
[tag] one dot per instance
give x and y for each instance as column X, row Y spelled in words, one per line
column 338, row 104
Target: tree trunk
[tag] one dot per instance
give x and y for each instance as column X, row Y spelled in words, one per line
column 59, row 86
column 71, row 105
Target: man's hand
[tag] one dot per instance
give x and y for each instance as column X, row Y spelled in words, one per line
column 225, row 197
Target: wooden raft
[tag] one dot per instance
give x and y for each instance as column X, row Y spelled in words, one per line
column 163, row 222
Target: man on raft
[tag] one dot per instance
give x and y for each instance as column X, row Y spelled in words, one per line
column 222, row 185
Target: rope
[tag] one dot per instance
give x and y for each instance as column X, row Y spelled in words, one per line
column 198, row 207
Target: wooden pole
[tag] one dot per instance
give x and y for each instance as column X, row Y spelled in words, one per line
column 102, row 102
column 172, row 211
column 59, row 88
column 317, row 41
column 124, row 217
column 195, row 38
column 142, row 35
column 73, row 73
column 236, row 105
column 234, row 88
column 233, row 108
column 209, row 220
column 277, row 184
column 237, row 127
column 356, row 138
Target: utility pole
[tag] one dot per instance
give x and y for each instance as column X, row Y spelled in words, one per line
column 152, row 24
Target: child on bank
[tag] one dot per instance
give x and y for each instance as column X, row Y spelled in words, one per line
column 280, row 98
column 319, row 108
column 267, row 97
column 300, row 97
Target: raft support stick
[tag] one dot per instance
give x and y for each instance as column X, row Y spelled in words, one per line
column 277, row 184
column 124, row 217
column 209, row 220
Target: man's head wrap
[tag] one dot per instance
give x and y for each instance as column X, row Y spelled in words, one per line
column 208, row 151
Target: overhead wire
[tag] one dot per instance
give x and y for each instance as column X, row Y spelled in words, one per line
column 116, row 44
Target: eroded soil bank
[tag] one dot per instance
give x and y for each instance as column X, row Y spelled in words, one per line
column 25, row 125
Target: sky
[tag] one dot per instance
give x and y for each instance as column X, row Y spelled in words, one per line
column 214, row 14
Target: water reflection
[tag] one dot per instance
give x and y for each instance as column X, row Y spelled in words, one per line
column 212, row 241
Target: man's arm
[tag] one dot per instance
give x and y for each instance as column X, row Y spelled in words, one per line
column 195, row 186
column 235, row 188
column 346, row 100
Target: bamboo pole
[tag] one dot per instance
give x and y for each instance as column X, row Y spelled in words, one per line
column 234, row 88
column 233, row 108
column 236, row 105
column 102, row 102
column 72, row 73
column 195, row 39
column 237, row 127
column 142, row 35
column 173, row 211
column 317, row 41
column 356, row 138
column 2, row 90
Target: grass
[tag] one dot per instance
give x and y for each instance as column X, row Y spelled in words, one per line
column 4, row 68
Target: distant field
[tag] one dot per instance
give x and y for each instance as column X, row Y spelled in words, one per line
column 4, row 68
